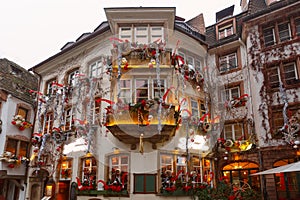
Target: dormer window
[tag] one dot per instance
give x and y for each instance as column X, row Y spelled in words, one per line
column 225, row 30
column 142, row 34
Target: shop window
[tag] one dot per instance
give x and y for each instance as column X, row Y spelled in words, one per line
column 173, row 167
column 239, row 173
column 287, row 184
column 234, row 131
column 228, row 62
column 89, row 170
column 118, row 170
column 16, row 147
column 66, row 169
column 144, row 183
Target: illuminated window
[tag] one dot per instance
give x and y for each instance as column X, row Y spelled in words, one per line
column 89, row 170
column 17, row 147
column 66, row 169
column 239, row 173
column 119, row 169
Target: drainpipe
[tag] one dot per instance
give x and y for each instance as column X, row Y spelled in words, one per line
column 261, row 167
column 33, row 127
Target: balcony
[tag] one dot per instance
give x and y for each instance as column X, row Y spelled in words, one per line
column 127, row 124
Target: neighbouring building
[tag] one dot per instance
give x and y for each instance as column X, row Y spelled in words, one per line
column 257, row 55
column 17, row 109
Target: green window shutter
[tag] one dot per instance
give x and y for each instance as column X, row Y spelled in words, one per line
column 145, row 183
column 150, row 183
column 139, row 183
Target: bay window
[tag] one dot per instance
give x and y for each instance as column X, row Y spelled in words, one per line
column 142, row 34
column 145, row 88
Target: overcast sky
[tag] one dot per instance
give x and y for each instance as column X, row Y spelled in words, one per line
column 33, row 30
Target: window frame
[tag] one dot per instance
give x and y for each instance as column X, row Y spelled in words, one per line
column 17, row 146
column 234, row 130
column 71, row 77
column 69, row 168
column 282, row 38
column 48, row 89
column 226, row 25
column 144, row 183
column 227, row 58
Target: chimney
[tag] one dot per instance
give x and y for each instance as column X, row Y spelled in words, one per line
column 244, row 5
column 268, row 2
column 198, row 23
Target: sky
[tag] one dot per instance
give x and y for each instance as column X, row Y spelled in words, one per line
column 33, row 30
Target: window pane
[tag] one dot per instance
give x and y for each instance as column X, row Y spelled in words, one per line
column 273, row 77
column 284, row 32
column 12, row 146
column 238, row 131
column 269, row 36
column 23, row 112
column 228, row 131
column 71, row 77
column 235, row 93
column 297, row 25
column 23, row 148
column 290, row 72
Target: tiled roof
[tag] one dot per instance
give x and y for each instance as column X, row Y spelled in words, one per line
column 256, row 5
column 17, row 81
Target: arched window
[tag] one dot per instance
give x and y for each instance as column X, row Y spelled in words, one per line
column 238, row 172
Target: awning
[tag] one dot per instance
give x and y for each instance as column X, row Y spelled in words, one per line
column 293, row 167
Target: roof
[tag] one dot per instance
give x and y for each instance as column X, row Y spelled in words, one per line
column 17, row 81
column 227, row 12
column 256, row 5
column 190, row 30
